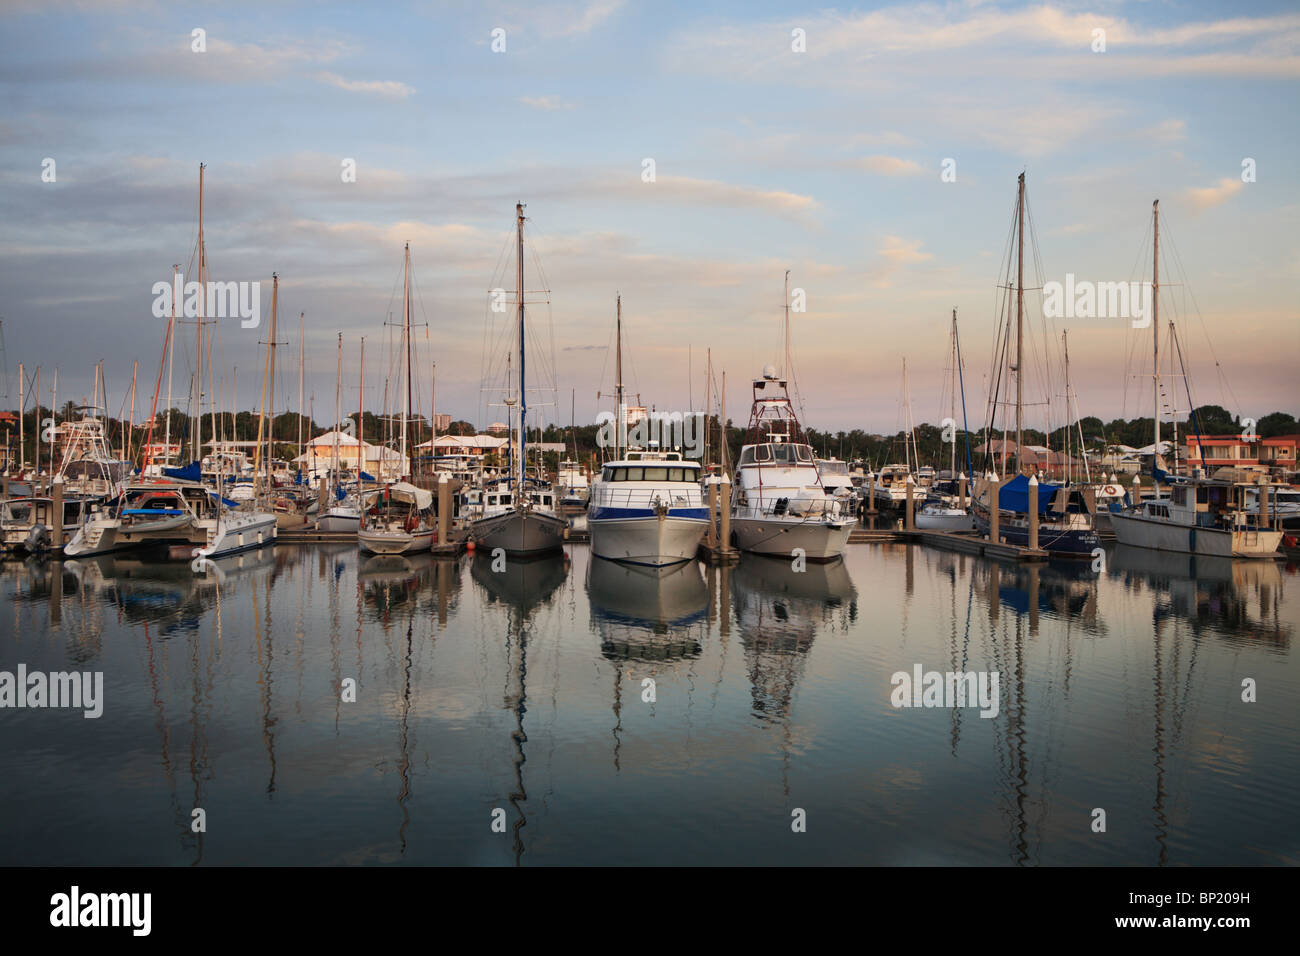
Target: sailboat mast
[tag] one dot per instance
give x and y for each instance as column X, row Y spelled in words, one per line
column 171, row 360
column 1065, row 347
column 1020, row 322
column 302, row 328
column 621, row 424
column 1155, row 328
column 270, row 420
column 406, row 338
column 523, row 395
column 338, row 410
column 785, row 363
column 361, row 416
column 952, row 458
column 198, row 361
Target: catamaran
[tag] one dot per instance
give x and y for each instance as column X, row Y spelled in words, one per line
column 519, row 514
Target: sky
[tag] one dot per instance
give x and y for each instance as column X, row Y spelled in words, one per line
column 828, row 161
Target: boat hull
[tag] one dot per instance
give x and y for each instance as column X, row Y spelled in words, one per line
column 520, row 532
column 951, row 521
column 649, row 539
column 395, row 542
column 820, row 540
column 235, row 532
column 1157, row 535
column 340, row 521
column 1067, row 542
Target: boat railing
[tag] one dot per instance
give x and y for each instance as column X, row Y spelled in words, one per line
column 687, row 497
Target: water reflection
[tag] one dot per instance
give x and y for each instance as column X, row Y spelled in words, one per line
column 521, row 688
column 522, row 586
column 779, row 610
column 1240, row 600
column 644, row 613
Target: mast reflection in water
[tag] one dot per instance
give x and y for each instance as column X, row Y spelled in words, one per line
column 322, row 707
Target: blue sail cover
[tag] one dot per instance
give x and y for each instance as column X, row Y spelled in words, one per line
column 190, row 472
column 225, row 501
column 365, row 477
column 1014, row 495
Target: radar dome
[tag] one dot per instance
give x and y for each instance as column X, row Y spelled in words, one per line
column 769, row 372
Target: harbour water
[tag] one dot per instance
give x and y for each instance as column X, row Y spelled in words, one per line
column 523, row 697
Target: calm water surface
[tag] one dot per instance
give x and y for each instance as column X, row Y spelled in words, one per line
column 523, row 690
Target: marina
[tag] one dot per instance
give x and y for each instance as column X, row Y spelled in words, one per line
column 590, row 434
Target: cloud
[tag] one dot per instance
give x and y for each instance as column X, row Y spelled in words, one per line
column 903, row 251
column 876, row 49
column 891, row 166
column 898, row 254
column 1205, row 197
column 545, row 103
column 390, row 88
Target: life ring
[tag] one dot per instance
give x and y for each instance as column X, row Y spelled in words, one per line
column 1110, row 491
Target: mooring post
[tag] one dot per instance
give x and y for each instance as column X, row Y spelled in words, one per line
column 995, row 511
column 725, row 489
column 1033, row 513
column 911, row 505
column 711, row 538
column 56, row 519
column 444, row 508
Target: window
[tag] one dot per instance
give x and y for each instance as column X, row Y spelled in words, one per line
column 505, row 499
column 675, row 474
column 763, row 453
column 747, row 456
column 805, row 454
column 656, row 474
column 608, row 473
column 784, row 454
column 634, row 474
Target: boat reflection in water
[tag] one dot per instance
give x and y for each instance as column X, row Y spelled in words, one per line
column 779, row 610
column 647, row 614
column 522, row 584
column 1211, row 592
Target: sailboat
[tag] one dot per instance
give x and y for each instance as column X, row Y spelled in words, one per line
column 340, row 515
column 647, row 507
column 940, row 513
column 187, row 516
column 1200, row 516
column 781, row 503
column 397, row 519
column 519, row 513
column 1065, row 527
